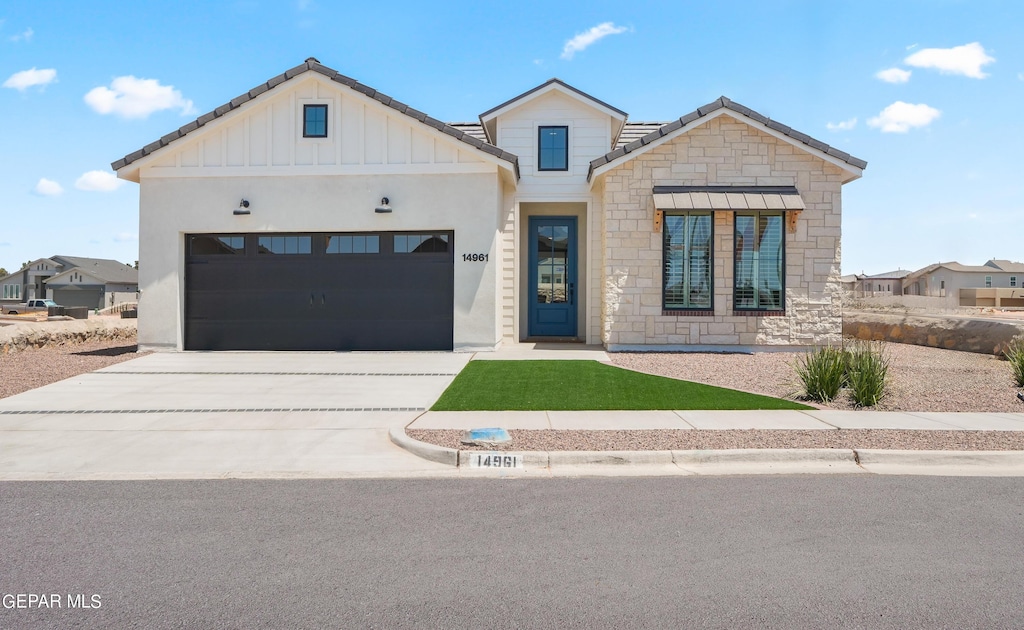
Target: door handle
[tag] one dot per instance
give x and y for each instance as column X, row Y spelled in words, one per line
column 572, row 293
column 311, row 298
column 323, row 299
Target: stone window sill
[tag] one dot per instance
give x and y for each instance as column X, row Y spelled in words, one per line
column 759, row 313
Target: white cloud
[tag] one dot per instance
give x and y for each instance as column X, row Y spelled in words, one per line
column 25, row 79
column 1020, row 75
column 966, row 60
column 98, row 181
column 894, row 75
column 25, row 35
column 900, row 117
column 130, row 97
column 585, row 39
column 125, row 237
column 845, row 125
column 48, row 188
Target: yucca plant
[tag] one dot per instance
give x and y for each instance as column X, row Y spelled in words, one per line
column 822, row 372
column 1014, row 353
column 866, row 373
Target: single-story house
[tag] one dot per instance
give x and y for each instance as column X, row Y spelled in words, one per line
column 880, row 284
column 72, row 281
column 1000, row 283
column 315, row 213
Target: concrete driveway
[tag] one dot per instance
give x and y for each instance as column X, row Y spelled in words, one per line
column 226, row 414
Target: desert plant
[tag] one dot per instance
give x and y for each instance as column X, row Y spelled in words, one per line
column 1014, row 353
column 822, row 372
column 866, row 373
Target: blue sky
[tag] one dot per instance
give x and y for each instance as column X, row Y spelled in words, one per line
column 928, row 92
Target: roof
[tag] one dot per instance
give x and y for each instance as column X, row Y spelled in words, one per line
column 542, row 86
column 313, row 65
column 953, row 266
column 701, row 112
column 1006, row 265
column 896, row 275
column 101, row 268
column 633, row 131
column 727, row 198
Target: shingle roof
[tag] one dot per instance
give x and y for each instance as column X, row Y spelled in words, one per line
column 899, row 273
column 312, row 64
column 1005, row 265
column 701, row 112
column 102, row 268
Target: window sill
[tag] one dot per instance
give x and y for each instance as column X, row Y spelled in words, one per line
column 688, row 313
column 753, row 313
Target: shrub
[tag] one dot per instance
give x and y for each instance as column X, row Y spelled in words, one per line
column 822, row 372
column 1014, row 353
column 866, row 374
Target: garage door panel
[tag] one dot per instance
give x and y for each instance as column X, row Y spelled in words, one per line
column 320, row 301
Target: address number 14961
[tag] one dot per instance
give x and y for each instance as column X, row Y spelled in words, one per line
column 474, row 257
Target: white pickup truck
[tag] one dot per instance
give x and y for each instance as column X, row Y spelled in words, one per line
column 29, row 307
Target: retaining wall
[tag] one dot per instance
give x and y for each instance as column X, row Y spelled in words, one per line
column 980, row 335
column 24, row 335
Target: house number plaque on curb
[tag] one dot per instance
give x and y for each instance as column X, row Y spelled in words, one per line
column 496, row 460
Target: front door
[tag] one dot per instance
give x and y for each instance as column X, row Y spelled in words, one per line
column 552, row 291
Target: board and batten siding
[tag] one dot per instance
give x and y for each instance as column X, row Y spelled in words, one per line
column 363, row 136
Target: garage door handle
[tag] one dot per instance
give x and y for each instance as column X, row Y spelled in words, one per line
column 323, row 299
column 311, row 298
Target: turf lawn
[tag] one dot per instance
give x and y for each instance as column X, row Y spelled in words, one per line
column 585, row 385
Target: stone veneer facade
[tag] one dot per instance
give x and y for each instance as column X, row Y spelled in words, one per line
column 723, row 151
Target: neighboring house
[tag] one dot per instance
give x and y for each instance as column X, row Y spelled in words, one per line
column 960, row 284
column 316, row 213
column 888, row 283
column 73, row 281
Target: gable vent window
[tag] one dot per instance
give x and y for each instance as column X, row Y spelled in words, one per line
column 553, row 144
column 314, row 121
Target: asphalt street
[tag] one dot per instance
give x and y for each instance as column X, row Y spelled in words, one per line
column 716, row 552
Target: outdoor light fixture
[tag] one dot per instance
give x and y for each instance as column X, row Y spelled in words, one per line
column 243, row 207
column 383, row 208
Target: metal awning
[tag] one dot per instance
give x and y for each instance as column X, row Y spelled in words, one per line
column 727, row 198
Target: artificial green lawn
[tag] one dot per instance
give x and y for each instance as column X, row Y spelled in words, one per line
column 585, row 385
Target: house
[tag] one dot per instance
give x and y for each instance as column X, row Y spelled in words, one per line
column 72, row 281
column 315, row 213
column 996, row 283
column 887, row 283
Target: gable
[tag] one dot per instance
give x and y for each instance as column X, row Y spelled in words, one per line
column 852, row 166
column 367, row 132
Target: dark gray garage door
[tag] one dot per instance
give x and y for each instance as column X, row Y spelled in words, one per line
column 92, row 298
column 366, row 291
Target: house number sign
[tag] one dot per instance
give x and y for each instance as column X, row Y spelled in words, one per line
column 496, row 460
column 474, row 257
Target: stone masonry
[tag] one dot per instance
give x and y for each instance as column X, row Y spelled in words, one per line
column 723, row 151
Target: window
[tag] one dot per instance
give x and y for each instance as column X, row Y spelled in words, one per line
column 1013, row 281
column 686, row 270
column 759, row 262
column 12, row 291
column 353, row 244
column 314, row 121
column 208, row 245
column 421, row 243
column 553, row 148
column 988, row 282
column 286, row 244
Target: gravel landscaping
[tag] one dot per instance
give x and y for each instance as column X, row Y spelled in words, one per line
column 35, row 367
column 920, row 378
column 700, row 439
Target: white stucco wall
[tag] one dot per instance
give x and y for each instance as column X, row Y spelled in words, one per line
column 171, row 207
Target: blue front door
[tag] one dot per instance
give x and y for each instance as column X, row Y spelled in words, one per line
column 552, row 292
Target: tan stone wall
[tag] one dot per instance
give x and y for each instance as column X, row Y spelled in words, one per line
column 722, row 151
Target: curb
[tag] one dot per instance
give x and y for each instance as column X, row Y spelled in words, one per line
column 742, row 461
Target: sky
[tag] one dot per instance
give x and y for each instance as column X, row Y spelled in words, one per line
column 929, row 92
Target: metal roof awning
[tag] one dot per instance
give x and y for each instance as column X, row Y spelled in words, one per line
column 727, row 198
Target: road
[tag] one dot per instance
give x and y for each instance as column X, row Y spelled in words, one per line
column 716, row 552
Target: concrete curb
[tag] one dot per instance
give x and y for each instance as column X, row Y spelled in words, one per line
column 738, row 461
column 432, row 452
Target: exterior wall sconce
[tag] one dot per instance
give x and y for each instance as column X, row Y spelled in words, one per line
column 383, row 208
column 243, row 208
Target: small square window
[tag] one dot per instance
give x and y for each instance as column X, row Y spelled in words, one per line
column 314, row 121
column 1013, row 281
column 553, row 148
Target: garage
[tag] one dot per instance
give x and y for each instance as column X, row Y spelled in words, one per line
column 90, row 297
column 319, row 291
